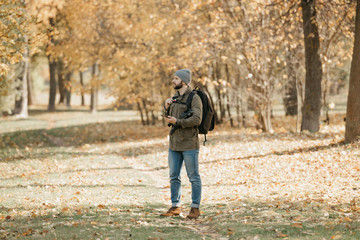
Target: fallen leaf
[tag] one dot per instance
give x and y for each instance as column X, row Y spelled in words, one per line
column 296, row 225
column 337, row 236
column 281, row 235
column 230, row 231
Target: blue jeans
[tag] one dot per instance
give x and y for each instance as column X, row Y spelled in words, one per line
column 191, row 160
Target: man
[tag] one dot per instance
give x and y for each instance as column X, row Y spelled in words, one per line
column 184, row 143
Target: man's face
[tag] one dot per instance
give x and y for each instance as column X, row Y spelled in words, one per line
column 177, row 82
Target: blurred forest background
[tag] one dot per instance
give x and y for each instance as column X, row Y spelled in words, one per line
column 253, row 58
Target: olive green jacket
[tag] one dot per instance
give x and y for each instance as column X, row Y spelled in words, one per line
column 186, row 138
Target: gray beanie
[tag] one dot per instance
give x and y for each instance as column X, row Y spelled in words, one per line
column 184, row 75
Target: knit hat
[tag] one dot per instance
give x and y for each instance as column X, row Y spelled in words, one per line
column 184, row 75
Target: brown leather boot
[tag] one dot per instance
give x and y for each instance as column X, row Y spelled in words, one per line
column 173, row 211
column 194, row 213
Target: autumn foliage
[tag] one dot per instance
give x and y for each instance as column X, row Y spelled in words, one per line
column 242, row 53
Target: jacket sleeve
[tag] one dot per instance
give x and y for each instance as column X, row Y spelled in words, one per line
column 195, row 119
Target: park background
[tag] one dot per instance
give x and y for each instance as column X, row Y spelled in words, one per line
column 83, row 147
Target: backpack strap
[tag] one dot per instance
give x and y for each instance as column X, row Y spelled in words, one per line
column 189, row 99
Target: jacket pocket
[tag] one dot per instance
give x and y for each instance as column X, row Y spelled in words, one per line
column 188, row 133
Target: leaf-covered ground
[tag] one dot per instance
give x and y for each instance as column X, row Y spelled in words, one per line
column 71, row 175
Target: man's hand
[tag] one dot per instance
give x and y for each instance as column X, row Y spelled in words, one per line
column 170, row 119
column 168, row 102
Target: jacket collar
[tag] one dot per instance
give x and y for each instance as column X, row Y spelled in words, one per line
column 183, row 98
column 187, row 91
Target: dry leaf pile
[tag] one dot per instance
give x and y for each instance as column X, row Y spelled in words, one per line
column 114, row 176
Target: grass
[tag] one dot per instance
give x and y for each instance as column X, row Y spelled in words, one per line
column 266, row 221
column 247, row 221
column 108, row 179
column 115, row 222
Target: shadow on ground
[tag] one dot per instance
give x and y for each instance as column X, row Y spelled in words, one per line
column 238, row 220
column 81, row 134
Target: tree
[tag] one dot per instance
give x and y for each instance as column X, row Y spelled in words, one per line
column 52, row 69
column 47, row 19
column 336, row 40
column 236, row 49
column 312, row 102
column 16, row 46
column 294, row 54
column 22, row 111
column 352, row 129
column 14, row 24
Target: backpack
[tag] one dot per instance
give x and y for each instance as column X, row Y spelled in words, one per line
column 208, row 117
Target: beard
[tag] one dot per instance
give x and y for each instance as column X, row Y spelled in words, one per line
column 178, row 86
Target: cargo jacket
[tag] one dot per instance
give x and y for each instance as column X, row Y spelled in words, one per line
column 186, row 138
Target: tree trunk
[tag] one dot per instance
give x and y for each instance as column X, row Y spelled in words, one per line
column 220, row 94
column 152, row 113
column 52, row 70
column 352, row 129
column 68, row 89
column 312, row 103
column 52, row 92
column 21, row 105
column 228, row 110
column 299, row 97
column 19, row 99
column 223, row 112
column 29, row 84
column 61, row 80
column 221, row 108
column 146, row 111
column 239, row 102
column 325, row 104
column 212, row 75
column 290, row 96
column 228, row 107
column 267, row 118
column 93, row 98
column 24, row 105
column 141, row 113
column 153, row 117
column 238, row 117
column 82, row 89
